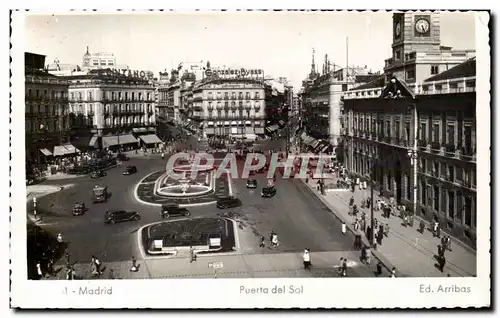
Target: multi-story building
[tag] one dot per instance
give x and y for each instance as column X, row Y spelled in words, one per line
column 381, row 132
column 230, row 103
column 108, row 109
column 323, row 115
column 100, row 60
column 46, row 110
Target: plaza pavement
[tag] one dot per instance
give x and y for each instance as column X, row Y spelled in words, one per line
column 412, row 253
column 282, row 265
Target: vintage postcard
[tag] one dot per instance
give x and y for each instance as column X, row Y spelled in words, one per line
column 250, row 159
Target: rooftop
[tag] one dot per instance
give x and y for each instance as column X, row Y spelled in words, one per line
column 466, row 69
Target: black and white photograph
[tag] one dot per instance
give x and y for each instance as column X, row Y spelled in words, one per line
column 250, row 159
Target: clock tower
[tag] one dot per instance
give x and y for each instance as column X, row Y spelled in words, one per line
column 415, row 32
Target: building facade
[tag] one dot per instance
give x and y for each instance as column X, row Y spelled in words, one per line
column 103, row 105
column 229, row 106
column 46, row 110
column 380, row 132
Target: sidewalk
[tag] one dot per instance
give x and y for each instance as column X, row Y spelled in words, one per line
column 274, row 265
column 411, row 252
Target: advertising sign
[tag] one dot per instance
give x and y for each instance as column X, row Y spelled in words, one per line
column 228, row 73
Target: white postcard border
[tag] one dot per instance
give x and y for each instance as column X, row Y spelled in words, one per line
column 224, row 293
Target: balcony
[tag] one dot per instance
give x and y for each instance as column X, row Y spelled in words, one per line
column 210, row 108
column 467, row 153
column 436, row 146
column 197, row 99
column 450, row 149
column 422, row 143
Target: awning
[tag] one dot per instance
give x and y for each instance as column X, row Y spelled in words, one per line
column 150, row 139
column 142, row 129
column 327, row 148
column 315, row 144
column 210, row 123
column 240, row 122
column 234, row 123
column 65, row 150
column 247, row 122
column 259, row 130
column 226, row 123
column 248, row 130
column 151, row 129
column 272, row 128
column 219, row 123
column 108, row 141
column 93, row 141
column 251, row 136
column 46, row 152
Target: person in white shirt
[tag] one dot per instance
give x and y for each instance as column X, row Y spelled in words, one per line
column 344, row 228
column 306, row 256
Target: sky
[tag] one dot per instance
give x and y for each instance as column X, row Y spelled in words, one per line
column 280, row 43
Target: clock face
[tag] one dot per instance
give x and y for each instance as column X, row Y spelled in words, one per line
column 397, row 29
column 422, row 26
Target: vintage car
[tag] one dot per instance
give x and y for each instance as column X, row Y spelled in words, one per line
column 228, row 202
column 252, row 184
column 168, row 210
column 79, row 208
column 120, row 216
column 129, row 170
column 96, row 174
column 268, row 192
column 100, row 194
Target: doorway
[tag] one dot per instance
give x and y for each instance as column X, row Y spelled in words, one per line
column 398, row 178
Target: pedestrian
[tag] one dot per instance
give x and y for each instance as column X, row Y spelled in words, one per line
column 368, row 255
column 340, row 265
column 435, row 229
column 438, row 232
column 111, row 274
column 356, row 225
column 442, row 263
column 274, row 240
column 98, row 265
column 351, row 201
column 393, row 272
column 93, row 269
column 39, row 270
column 344, row 228
column 379, row 269
column 262, row 241
column 192, row 255
column 134, row 267
column 306, row 256
column 422, row 226
column 439, row 250
column 448, row 243
column 344, row 268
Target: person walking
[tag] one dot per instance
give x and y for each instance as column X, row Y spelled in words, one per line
column 39, row 270
column 422, row 226
column 192, row 255
column 379, row 269
column 262, row 241
column 306, row 256
column 340, row 265
column 134, row 267
column 393, row 272
column 442, row 263
column 344, row 228
column 344, row 268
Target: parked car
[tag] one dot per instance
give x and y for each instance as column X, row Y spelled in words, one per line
column 252, row 184
column 79, row 208
column 168, row 210
column 122, row 157
column 97, row 174
column 228, row 202
column 129, row 170
column 99, row 194
column 120, row 216
column 268, row 192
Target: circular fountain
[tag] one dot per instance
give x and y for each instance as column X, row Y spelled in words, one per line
column 195, row 181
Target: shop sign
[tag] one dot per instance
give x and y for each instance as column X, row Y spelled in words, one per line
column 235, row 73
column 129, row 73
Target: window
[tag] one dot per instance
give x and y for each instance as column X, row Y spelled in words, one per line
column 396, row 124
column 435, row 168
column 53, row 94
column 397, row 55
column 95, row 62
column 80, row 96
column 388, row 128
column 468, row 211
column 37, row 93
column 410, row 74
column 72, row 96
column 119, row 95
column 436, row 197
column 435, row 133
column 434, row 69
column 423, row 164
column 241, row 95
column 451, row 204
column 374, row 124
column 468, row 137
column 451, row 173
column 248, row 95
column 257, row 95
column 90, row 95
column 148, row 97
column 140, row 96
column 226, row 95
column 450, row 134
column 344, row 87
column 113, row 95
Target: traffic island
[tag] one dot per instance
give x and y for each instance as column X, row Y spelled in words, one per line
column 158, row 189
column 177, row 237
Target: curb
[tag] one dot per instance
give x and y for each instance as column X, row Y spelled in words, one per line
column 76, row 176
column 379, row 256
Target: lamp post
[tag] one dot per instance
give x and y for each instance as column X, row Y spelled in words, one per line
column 413, row 155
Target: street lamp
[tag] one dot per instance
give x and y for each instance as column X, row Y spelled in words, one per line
column 413, row 155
